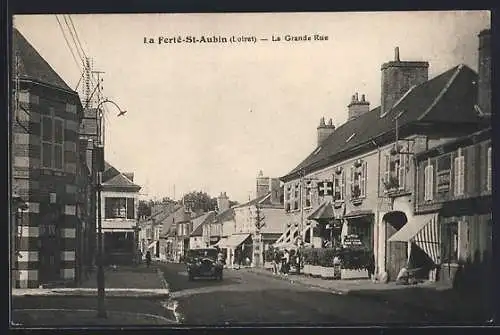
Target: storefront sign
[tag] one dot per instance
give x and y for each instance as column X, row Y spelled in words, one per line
column 352, row 240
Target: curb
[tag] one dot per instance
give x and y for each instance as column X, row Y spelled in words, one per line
column 94, row 311
column 79, row 292
column 332, row 290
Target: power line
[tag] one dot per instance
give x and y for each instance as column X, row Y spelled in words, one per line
column 73, row 38
column 67, row 43
column 76, row 35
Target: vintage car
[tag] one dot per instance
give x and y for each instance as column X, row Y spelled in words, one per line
column 204, row 263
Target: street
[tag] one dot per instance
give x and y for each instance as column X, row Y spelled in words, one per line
column 242, row 298
column 247, row 298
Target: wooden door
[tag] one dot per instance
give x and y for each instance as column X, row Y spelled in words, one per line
column 396, row 255
column 50, row 258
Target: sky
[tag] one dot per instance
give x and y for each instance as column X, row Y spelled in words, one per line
column 210, row 116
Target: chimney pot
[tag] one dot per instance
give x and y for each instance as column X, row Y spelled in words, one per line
column 396, row 54
column 330, row 122
column 357, row 96
column 363, row 98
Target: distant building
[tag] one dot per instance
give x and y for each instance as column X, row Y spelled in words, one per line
column 119, row 202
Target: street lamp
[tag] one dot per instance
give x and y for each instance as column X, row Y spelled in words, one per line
column 101, row 309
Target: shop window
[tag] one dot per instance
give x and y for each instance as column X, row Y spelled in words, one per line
column 449, row 240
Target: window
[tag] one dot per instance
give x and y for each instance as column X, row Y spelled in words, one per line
column 449, row 240
column 339, row 186
column 429, row 182
column 308, row 194
column 358, row 180
column 52, row 141
column 395, row 171
column 296, row 197
column 443, row 174
column 288, row 198
column 119, row 208
column 459, row 173
column 488, row 171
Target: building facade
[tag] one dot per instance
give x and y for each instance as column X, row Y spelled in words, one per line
column 360, row 179
column 119, row 202
column 45, row 162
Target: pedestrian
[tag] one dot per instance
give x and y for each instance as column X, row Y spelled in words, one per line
column 148, row 258
column 274, row 262
column 287, row 261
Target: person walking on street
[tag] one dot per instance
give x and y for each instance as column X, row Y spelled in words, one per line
column 148, row 258
column 286, row 262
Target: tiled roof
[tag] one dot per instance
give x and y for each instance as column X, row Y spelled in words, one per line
column 226, row 215
column 200, row 221
column 32, row 66
column 448, row 97
column 112, row 178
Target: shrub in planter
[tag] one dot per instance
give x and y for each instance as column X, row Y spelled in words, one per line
column 327, row 263
column 355, row 262
column 315, row 262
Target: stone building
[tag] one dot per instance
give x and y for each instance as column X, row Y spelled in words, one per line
column 47, row 170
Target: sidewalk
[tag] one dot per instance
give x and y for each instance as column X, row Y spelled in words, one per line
column 123, row 281
column 426, row 297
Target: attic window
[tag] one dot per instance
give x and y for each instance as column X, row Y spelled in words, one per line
column 318, row 149
column 350, row 137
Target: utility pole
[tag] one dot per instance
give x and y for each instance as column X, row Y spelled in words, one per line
column 259, row 224
column 101, row 308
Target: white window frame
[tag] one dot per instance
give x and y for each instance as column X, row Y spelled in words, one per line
column 488, row 169
column 363, row 180
column 429, row 182
column 308, row 194
column 387, row 171
column 52, row 142
column 459, row 174
column 401, row 171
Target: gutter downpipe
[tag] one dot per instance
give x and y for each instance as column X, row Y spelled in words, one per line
column 377, row 215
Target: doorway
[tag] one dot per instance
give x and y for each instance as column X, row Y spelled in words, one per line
column 397, row 252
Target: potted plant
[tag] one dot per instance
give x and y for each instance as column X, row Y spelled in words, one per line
column 315, row 267
column 391, row 183
column 306, row 256
column 328, row 270
column 355, row 261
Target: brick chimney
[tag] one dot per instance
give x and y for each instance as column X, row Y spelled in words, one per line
column 129, row 175
column 398, row 77
column 484, row 69
column 357, row 107
column 324, row 130
column 262, row 185
column 276, row 190
column 222, row 202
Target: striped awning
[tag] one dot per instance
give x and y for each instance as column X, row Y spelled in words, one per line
column 423, row 230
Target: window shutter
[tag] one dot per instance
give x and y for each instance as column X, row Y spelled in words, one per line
column 431, row 182
column 342, row 185
column 351, row 180
column 387, row 171
column 456, row 185
column 426, row 183
column 130, row 208
column 488, row 170
column 363, row 180
column 401, row 171
column 462, row 174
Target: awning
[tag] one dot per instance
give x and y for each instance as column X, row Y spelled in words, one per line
column 322, row 212
column 235, row 240
column 221, row 243
column 423, row 230
column 358, row 214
